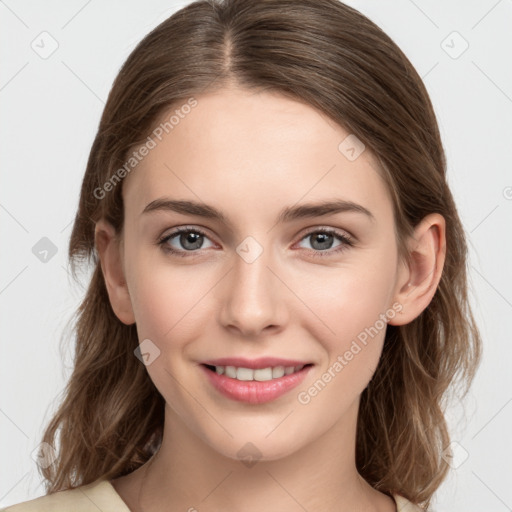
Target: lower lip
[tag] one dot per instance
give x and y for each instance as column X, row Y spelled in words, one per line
column 253, row 391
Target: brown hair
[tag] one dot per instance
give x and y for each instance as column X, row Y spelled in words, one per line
column 330, row 56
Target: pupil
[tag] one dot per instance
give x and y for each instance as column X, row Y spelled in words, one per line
column 193, row 238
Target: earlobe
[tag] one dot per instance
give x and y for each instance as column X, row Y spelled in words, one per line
column 418, row 283
column 109, row 250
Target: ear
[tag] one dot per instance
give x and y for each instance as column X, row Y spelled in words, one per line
column 109, row 249
column 417, row 283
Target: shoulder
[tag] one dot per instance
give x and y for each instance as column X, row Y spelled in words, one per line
column 99, row 495
column 402, row 505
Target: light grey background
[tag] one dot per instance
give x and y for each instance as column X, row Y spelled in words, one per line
column 50, row 111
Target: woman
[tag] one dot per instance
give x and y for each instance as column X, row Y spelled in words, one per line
column 279, row 300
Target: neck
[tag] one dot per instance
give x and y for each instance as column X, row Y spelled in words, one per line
column 188, row 474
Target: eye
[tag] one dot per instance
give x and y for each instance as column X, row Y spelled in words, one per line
column 321, row 241
column 190, row 240
column 186, row 241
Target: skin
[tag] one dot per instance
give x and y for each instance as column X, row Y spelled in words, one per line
column 249, row 154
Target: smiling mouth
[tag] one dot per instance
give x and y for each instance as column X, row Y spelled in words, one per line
column 261, row 374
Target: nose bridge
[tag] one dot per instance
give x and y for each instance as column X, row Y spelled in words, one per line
column 252, row 299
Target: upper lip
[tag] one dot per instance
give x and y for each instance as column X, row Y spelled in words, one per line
column 261, row 362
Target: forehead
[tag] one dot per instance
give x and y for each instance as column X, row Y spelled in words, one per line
column 245, row 148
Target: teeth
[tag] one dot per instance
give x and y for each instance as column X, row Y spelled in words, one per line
column 261, row 374
column 230, row 372
column 277, row 372
column 244, row 374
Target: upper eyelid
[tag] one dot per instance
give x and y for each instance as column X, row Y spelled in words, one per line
column 185, row 229
column 331, row 229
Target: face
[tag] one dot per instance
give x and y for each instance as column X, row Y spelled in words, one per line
column 269, row 276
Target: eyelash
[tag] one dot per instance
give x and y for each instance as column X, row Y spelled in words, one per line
column 346, row 242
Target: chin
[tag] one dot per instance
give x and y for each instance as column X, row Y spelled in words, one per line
column 257, row 445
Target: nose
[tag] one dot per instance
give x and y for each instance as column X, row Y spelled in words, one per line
column 253, row 298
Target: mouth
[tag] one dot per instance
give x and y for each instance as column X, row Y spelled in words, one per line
column 254, row 385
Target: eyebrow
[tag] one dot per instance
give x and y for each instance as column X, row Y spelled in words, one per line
column 287, row 214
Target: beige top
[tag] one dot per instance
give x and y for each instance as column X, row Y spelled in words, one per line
column 102, row 496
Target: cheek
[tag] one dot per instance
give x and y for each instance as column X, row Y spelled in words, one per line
column 168, row 300
column 355, row 314
column 354, row 309
column 170, row 310
column 348, row 304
